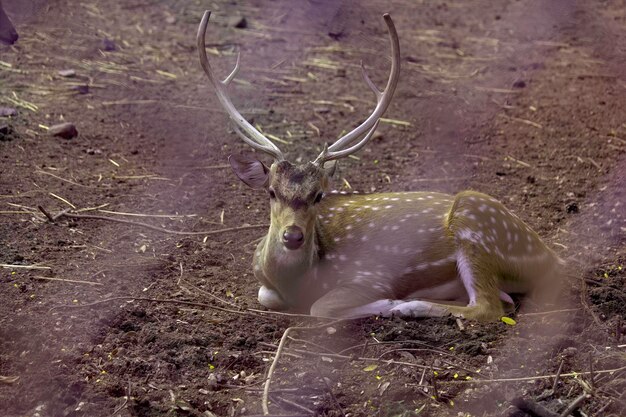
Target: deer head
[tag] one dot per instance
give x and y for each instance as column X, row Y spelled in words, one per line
column 295, row 189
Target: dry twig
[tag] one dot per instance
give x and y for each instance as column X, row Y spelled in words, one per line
column 279, row 350
column 12, row 266
column 75, row 281
column 8, row 379
column 146, row 225
column 575, row 405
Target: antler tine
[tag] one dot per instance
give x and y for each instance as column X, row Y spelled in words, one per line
column 233, row 74
column 252, row 143
column 383, row 99
column 252, row 136
column 370, row 84
column 327, row 156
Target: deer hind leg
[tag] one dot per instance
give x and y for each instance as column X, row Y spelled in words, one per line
column 477, row 274
column 480, row 282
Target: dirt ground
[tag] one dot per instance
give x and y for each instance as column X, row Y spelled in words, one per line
column 522, row 99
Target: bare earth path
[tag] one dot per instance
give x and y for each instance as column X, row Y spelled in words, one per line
column 524, row 100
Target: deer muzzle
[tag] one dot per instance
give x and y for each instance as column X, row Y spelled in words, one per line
column 293, row 237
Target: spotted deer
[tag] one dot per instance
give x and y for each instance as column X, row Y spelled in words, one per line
column 409, row 254
column 8, row 34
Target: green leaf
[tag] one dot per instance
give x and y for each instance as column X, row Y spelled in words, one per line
column 370, row 368
column 508, row 320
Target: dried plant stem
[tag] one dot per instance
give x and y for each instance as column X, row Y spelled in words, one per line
column 11, row 266
column 532, row 378
column 558, row 374
column 149, row 226
column 279, row 350
column 8, row 379
column 352, row 358
column 74, row 281
column 154, row 300
column 575, row 404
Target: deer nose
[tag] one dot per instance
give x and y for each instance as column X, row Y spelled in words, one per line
column 293, row 237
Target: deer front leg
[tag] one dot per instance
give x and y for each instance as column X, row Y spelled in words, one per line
column 420, row 308
column 349, row 302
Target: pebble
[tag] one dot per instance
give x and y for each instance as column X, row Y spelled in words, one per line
column 108, row 45
column 64, row 130
column 67, row 73
column 7, row 112
column 239, row 22
column 82, row 89
column 5, row 130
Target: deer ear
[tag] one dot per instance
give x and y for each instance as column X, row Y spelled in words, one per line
column 250, row 170
column 330, row 168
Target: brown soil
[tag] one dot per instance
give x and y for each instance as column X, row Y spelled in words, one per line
column 521, row 99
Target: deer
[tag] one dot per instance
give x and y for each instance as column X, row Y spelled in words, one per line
column 8, row 34
column 403, row 254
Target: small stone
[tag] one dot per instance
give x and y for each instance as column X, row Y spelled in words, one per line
column 7, row 112
column 67, row 73
column 5, row 132
column 239, row 22
column 108, row 45
column 170, row 20
column 82, row 89
column 336, row 34
column 64, row 130
column 572, row 208
column 569, row 352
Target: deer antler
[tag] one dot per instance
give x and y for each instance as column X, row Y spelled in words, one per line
column 383, row 98
column 243, row 128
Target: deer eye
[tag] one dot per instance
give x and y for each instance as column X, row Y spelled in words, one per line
column 318, row 197
column 272, row 194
